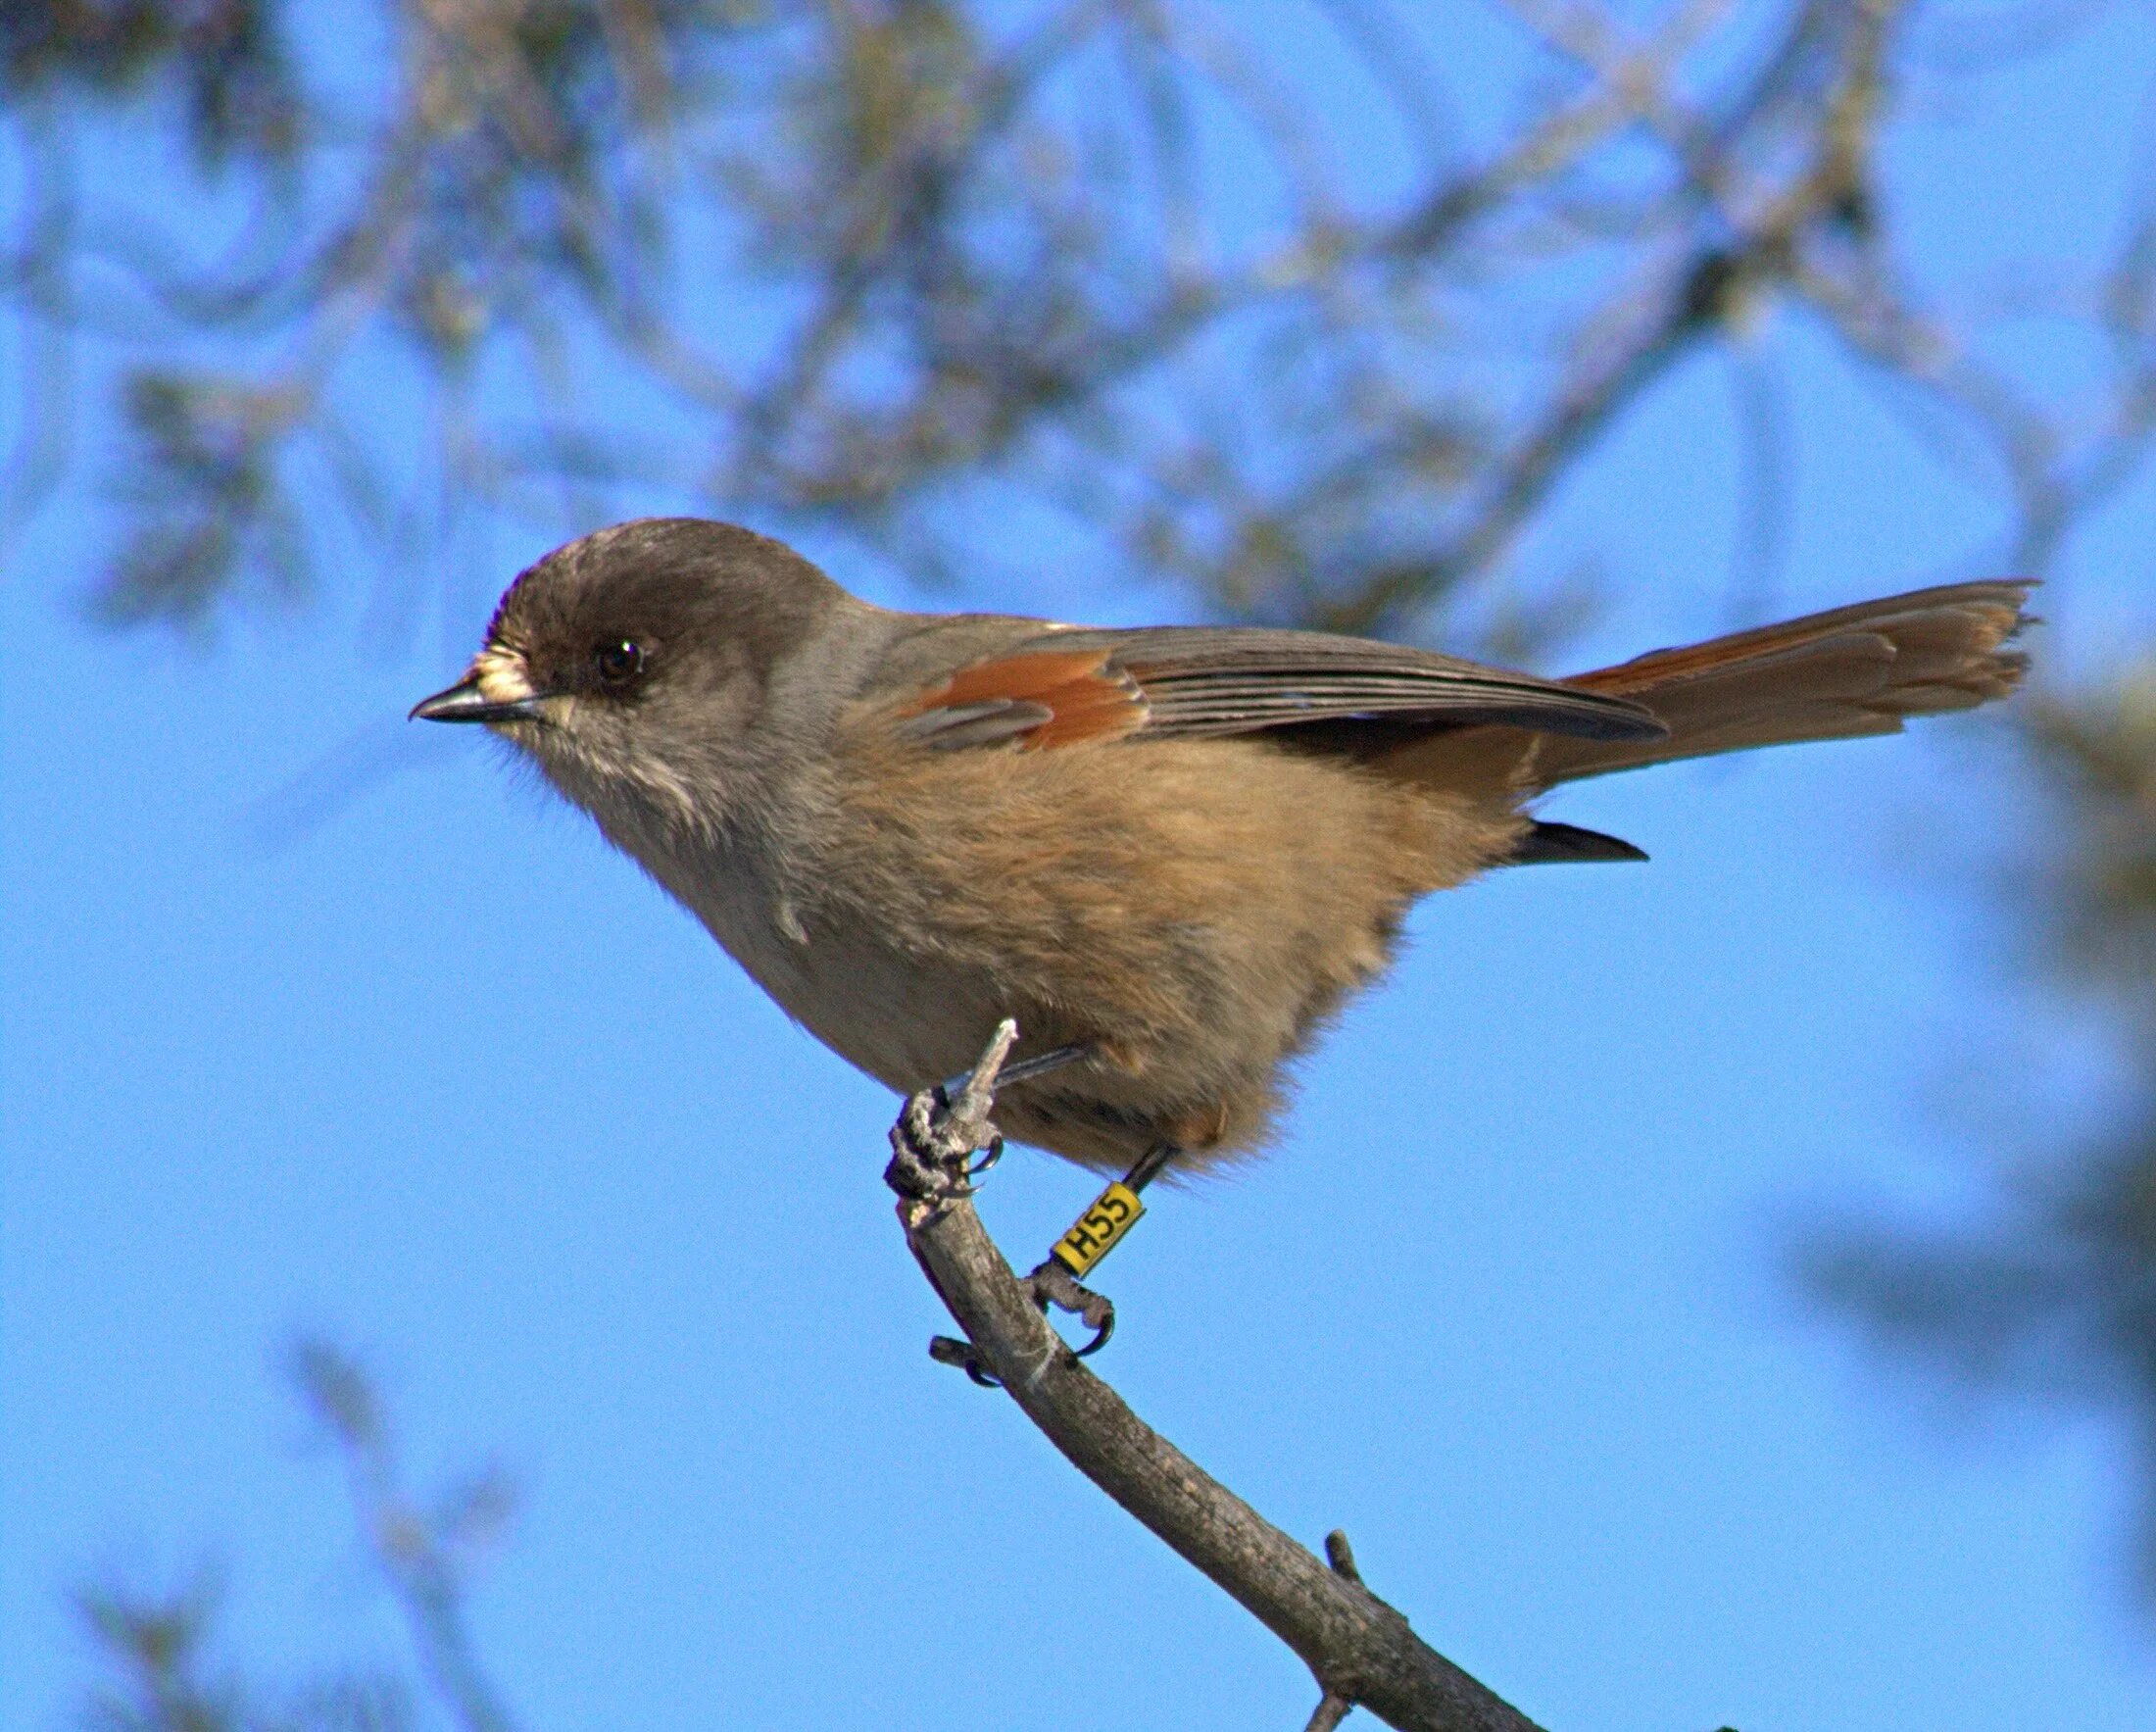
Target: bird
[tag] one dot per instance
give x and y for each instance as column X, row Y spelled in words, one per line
column 1169, row 852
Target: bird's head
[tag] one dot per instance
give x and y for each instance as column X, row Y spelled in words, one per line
column 636, row 665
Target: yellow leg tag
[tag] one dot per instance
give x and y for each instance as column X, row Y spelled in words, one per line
column 1097, row 1231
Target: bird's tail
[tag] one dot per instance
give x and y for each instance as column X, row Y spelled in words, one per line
column 1835, row 675
column 1856, row 670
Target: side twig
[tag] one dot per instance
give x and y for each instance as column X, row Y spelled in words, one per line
column 1361, row 1650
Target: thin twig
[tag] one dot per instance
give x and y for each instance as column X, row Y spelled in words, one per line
column 1361, row 1650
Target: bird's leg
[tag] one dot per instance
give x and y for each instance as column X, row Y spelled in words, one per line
column 942, row 1126
column 1021, row 1070
column 1055, row 1280
column 947, row 1125
column 1092, row 1236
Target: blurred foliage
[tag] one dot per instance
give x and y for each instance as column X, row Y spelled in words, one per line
column 154, row 1650
column 2052, row 1293
column 227, row 57
column 159, row 1677
column 1319, row 359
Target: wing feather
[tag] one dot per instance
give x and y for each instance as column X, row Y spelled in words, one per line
column 1212, row 680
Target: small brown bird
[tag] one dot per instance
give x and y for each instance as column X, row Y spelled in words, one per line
column 1174, row 849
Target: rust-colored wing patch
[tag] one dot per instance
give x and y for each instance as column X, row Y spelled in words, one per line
column 1036, row 699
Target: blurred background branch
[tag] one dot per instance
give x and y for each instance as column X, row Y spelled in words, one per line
column 1106, row 257
column 157, row 1650
column 2048, row 1291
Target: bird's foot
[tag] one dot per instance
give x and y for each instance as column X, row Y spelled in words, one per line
column 1050, row 1284
column 933, row 1147
column 1055, row 1280
column 943, row 1128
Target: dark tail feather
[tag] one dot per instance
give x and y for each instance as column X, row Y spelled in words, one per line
column 1547, row 844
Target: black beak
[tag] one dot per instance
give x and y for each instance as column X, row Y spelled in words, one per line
column 464, row 701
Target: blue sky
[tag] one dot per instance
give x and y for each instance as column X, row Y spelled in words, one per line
column 442, row 1077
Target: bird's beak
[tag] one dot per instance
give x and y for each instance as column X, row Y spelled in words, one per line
column 466, row 702
column 497, row 689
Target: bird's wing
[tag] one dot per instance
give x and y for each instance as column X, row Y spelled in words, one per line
column 1056, row 686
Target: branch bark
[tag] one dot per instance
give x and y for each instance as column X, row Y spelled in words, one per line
column 1361, row 1650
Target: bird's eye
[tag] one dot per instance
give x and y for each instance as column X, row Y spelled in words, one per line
column 618, row 662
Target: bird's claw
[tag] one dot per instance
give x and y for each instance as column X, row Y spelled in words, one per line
column 942, row 1129
column 933, row 1147
column 948, row 1349
column 1050, row 1284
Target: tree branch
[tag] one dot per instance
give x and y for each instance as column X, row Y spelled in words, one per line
column 1362, row 1650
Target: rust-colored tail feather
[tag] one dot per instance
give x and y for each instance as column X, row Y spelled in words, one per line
column 1829, row 676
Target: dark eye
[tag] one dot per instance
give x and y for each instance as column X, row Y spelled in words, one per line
column 618, row 663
